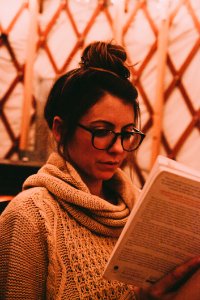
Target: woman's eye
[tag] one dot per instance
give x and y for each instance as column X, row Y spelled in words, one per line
column 127, row 135
column 101, row 132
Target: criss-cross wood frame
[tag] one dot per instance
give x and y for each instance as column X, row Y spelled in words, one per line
column 80, row 37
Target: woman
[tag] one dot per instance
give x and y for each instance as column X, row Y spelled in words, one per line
column 57, row 235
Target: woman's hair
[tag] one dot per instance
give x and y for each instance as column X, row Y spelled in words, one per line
column 102, row 71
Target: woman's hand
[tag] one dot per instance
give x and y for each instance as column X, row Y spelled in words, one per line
column 183, row 283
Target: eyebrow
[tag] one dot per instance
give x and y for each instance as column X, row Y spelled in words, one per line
column 111, row 124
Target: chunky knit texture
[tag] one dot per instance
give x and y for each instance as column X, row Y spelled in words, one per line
column 56, row 237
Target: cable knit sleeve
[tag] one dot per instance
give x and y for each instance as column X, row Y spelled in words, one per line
column 129, row 295
column 23, row 262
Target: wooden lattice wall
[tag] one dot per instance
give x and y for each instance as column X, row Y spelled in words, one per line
column 63, row 28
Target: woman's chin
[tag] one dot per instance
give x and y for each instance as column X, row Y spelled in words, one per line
column 106, row 175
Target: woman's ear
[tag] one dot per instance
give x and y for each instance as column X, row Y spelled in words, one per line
column 57, row 128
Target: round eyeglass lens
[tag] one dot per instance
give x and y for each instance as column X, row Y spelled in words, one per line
column 131, row 141
column 102, row 139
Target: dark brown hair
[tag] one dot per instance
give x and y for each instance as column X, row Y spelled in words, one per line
column 102, row 70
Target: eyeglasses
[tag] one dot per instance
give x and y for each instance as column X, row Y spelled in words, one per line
column 104, row 139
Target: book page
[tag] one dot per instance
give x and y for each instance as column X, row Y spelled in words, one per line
column 164, row 233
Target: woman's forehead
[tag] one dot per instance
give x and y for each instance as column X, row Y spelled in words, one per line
column 110, row 108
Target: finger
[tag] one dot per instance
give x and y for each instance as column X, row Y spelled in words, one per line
column 179, row 275
column 142, row 293
column 191, row 289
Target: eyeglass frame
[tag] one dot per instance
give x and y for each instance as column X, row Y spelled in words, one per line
column 116, row 134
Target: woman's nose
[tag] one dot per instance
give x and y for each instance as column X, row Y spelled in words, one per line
column 117, row 146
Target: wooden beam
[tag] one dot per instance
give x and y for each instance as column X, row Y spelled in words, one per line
column 161, row 67
column 28, row 75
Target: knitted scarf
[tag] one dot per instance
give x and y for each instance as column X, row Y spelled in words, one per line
column 98, row 215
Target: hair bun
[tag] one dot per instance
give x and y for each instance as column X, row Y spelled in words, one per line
column 106, row 56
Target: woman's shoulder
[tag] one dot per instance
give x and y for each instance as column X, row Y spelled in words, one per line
column 28, row 203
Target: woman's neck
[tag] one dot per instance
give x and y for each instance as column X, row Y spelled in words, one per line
column 103, row 192
column 94, row 185
column 97, row 188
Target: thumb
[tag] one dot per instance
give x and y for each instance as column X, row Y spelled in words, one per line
column 176, row 277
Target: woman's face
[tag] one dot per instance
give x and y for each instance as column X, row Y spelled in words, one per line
column 95, row 165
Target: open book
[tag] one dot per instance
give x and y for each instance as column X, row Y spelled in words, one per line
column 163, row 229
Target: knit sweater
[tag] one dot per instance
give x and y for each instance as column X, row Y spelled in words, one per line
column 56, row 237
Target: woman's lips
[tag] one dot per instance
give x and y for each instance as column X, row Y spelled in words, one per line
column 109, row 164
